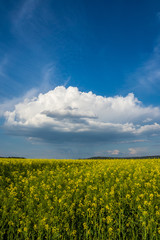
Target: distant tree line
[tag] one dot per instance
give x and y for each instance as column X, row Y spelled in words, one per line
column 14, row 157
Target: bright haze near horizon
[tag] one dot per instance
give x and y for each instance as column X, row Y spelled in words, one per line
column 79, row 78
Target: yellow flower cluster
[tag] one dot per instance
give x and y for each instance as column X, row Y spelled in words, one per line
column 79, row 199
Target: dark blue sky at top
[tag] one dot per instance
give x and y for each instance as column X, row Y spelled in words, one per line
column 94, row 45
column 107, row 47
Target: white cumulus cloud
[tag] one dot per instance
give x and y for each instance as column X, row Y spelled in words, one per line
column 114, row 152
column 67, row 114
column 132, row 151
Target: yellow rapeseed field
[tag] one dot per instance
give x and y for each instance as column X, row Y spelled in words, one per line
column 79, row 199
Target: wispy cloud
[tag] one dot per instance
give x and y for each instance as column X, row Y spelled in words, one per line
column 50, row 78
column 147, row 77
column 48, row 74
column 25, row 12
column 67, row 81
column 134, row 141
column 27, row 24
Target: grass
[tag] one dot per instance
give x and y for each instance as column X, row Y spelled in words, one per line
column 79, row 199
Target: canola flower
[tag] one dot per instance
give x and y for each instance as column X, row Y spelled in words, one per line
column 79, row 199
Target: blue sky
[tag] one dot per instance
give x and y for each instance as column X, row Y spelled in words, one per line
column 79, row 78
